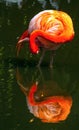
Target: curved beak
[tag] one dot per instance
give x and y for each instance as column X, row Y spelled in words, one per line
column 24, row 37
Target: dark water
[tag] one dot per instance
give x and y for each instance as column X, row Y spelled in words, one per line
column 14, row 113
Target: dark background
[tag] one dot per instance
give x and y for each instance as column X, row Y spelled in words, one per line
column 14, row 19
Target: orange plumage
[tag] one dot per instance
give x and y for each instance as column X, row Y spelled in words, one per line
column 48, row 29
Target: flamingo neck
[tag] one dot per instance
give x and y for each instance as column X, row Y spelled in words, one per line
column 33, row 45
column 32, row 101
column 57, row 39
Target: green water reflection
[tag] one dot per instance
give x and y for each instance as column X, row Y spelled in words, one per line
column 14, row 113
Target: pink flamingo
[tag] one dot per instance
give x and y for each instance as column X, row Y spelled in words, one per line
column 48, row 29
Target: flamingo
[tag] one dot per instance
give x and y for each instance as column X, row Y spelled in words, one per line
column 49, row 29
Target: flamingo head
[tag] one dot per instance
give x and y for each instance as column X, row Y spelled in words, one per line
column 34, row 47
column 24, row 37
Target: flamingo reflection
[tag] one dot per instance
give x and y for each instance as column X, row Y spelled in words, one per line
column 49, row 103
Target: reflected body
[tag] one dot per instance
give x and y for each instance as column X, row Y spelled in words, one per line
column 52, row 109
column 46, row 100
column 48, row 30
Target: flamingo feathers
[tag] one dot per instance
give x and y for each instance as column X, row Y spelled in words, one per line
column 49, row 29
column 54, row 26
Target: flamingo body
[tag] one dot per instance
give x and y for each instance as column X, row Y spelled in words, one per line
column 48, row 29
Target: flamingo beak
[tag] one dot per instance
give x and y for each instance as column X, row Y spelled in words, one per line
column 24, row 37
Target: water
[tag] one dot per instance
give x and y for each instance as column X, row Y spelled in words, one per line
column 14, row 112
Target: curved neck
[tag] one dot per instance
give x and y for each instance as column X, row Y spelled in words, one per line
column 31, row 100
column 57, row 39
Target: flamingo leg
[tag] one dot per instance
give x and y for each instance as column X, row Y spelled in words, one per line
column 41, row 58
column 51, row 59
